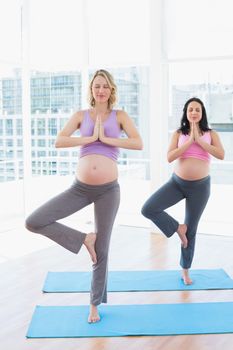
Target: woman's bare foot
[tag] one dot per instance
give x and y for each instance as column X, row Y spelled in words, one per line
column 182, row 229
column 90, row 245
column 93, row 315
column 185, row 276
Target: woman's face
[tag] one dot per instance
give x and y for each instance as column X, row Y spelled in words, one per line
column 194, row 112
column 101, row 91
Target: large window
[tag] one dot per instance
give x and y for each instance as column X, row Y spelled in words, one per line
column 85, row 39
column 200, row 60
column 63, row 42
column 197, row 28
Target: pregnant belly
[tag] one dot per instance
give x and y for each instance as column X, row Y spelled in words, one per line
column 192, row 168
column 96, row 169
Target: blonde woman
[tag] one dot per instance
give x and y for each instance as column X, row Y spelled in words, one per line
column 95, row 182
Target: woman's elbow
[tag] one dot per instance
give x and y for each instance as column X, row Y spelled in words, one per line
column 169, row 158
column 139, row 145
column 58, row 143
column 222, row 155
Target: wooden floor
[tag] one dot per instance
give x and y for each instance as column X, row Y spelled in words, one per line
column 132, row 248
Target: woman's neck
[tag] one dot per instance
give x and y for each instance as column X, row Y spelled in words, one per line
column 101, row 109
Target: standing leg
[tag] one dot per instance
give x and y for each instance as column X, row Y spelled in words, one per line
column 44, row 219
column 168, row 195
column 197, row 195
column 106, row 206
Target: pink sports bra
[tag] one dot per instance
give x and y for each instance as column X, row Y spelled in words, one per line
column 194, row 150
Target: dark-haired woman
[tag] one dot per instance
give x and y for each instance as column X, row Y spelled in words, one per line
column 192, row 145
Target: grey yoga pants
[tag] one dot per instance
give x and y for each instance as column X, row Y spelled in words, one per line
column 196, row 194
column 106, row 199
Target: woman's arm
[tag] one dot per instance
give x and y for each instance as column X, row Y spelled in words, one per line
column 65, row 138
column 174, row 151
column 133, row 141
column 215, row 148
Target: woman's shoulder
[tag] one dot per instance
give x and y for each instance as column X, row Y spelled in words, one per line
column 120, row 112
column 177, row 133
column 79, row 115
column 121, row 115
column 80, row 112
column 212, row 132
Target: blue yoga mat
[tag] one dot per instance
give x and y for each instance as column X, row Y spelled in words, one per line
column 122, row 281
column 125, row 320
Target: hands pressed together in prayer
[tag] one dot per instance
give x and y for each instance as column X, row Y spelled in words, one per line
column 195, row 132
column 98, row 133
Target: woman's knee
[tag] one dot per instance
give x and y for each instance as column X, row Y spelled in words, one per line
column 146, row 211
column 32, row 224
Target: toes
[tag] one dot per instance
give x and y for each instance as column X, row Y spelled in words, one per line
column 187, row 281
column 184, row 244
column 93, row 319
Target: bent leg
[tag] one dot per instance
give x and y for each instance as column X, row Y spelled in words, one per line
column 168, row 195
column 44, row 219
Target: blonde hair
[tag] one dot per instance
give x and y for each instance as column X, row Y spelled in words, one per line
column 109, row 78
